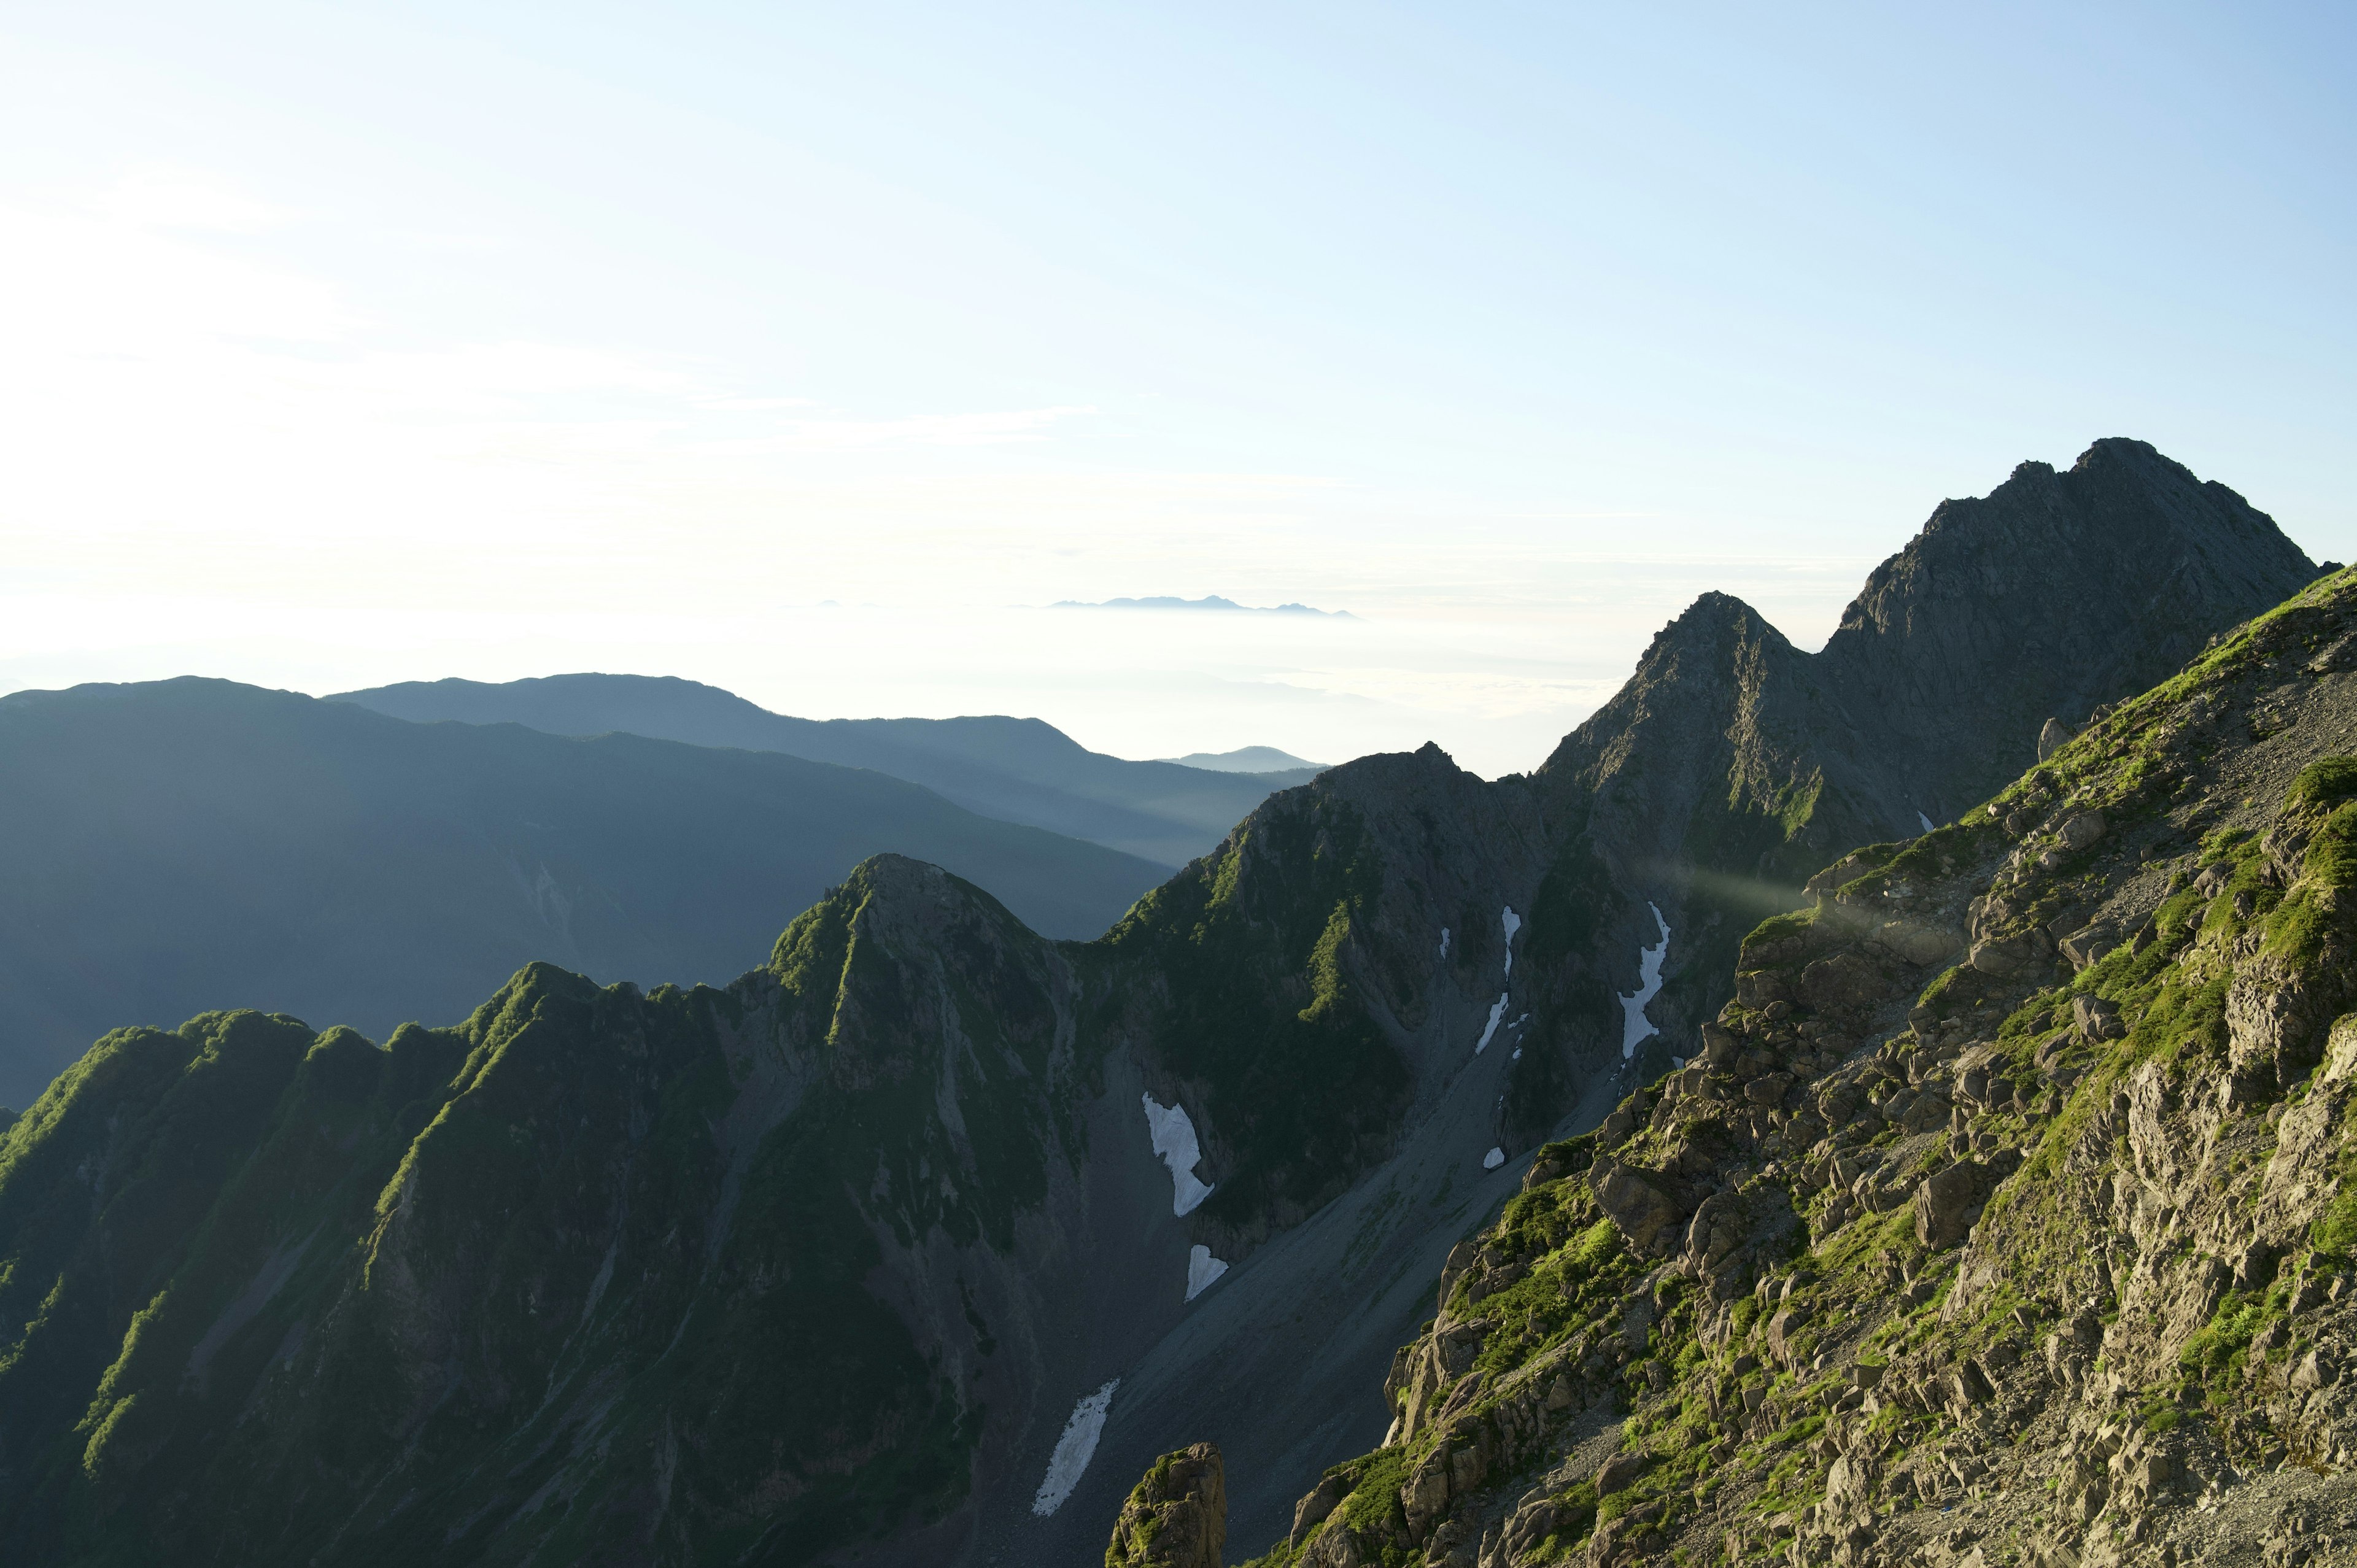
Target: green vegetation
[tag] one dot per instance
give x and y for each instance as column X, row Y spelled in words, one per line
column 1253, row 1000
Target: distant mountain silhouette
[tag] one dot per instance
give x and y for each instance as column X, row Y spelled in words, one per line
column 1020, row 770
column 1208, row 602
column 1245, row 759
column 191, row 845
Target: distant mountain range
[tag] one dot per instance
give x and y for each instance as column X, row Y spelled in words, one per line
column 1018, row 770
column 1247, row 759
column 180, row 845
column 1208, row 602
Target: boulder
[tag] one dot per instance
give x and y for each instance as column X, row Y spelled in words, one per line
column 2097, row 1019
column 1177, row 1517
column 2002, row 956
column 2083, row 830
column 1311, row 1511
column 1758, row 987
column 2052, row 739
column 1920, row 945
column 1841, row 982
column 1782, row 1329
column 2086, row 946
column 1947, row 1202
column 1966, row 1387
column 1618, row 1472
column 1768, row 1088
column 1642, row 1210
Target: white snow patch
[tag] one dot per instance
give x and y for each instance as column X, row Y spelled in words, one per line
column 1518, row 1053
column 1444, row 941
column 1493, row 1159
column 1497, row 1010
column 1074, row 1450
column 1925, row 821
column 1512, row 922
column 1174, row 1140
column 1202, row 1270
column 1634, row 1025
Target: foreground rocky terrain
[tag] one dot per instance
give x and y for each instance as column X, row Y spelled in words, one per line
column 920, row 1243
column 2002, row 1219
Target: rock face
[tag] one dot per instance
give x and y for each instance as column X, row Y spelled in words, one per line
column 2055, row 1265
column 1177, row 1517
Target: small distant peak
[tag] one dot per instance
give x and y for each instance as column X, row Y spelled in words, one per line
column 1245, row 759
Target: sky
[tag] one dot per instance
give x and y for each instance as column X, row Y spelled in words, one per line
column 813, row 351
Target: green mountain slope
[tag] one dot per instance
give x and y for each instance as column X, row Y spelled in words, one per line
column 186, row 845
column 2004, row 1221
column 1020, row 770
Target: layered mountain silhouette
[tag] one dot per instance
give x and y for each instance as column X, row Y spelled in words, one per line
column 1020, row 770
column 922, row 1240
column 188, row 844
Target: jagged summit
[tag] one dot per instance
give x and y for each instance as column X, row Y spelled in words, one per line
column 1732, row 764
column 2051, row 596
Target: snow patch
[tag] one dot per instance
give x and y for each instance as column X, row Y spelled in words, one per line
column 1925, row 821
column 1202, row 1270
column 1518, row 1053
column 1174, row 1141
column 1444, row 941
column 1634, row 1025
column 1497, row 1010
column 1512, row 922
column 1074, row 1449
column 1493, row 1159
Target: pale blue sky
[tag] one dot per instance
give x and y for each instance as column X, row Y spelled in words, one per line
column 353, row 343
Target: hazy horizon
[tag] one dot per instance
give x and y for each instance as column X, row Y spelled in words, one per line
column 359, row 345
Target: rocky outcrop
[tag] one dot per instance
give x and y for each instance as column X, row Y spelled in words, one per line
column 1177, row 1517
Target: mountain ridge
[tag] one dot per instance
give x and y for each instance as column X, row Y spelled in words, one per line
column 1018, row 770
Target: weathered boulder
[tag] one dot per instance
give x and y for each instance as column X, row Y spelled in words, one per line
column 1640, row 1210
column 1177, row 1516
column 1782, row 1328
column 1965, row 1388
column 2003, row 956
column 1758, row 987
column 1842, row 981
column 2083, row 830
column 1922, row 945
column 1947, row 1202
column 2096, row 1018
column 2052, row 739
column 1618, row 1472
column 1315, row 1505
column 1768, row 1088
